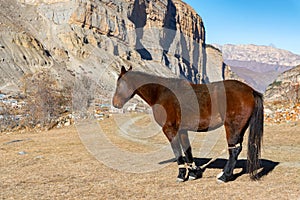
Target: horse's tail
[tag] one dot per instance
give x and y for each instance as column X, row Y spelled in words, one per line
column 255, row 136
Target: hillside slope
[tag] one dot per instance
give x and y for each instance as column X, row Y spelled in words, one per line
column 286, row 87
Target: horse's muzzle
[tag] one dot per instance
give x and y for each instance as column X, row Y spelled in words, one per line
column 117, row 103
column 119, row 106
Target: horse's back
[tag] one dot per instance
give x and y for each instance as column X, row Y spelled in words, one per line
column 217, row 102
column 238, row 93
column 236, row 85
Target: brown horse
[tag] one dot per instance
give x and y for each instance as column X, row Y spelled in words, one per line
column 180, row 106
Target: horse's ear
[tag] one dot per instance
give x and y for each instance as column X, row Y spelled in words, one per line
column 123, row 70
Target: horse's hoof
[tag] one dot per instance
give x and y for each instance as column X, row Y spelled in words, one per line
column 195, row 173
column 179, row 180
column 222, row 178
column 191, row 178
column 220, row 174
column 181, row 175
column 220, row 181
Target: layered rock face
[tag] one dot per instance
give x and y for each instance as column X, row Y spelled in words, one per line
column 20, row 54
column 283, row 98
column 215, row 69
column 94, row 38
column 167, row 32
column 286, row 87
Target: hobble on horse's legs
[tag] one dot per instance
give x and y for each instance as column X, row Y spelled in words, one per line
column 195, row 172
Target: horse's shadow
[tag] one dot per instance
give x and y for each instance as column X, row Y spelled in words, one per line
column 266, row 165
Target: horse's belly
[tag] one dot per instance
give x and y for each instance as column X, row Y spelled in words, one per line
column 197, row 123
column 216, row 121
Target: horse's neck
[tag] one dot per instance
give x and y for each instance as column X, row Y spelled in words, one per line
column 148, row 89
column 148, row 93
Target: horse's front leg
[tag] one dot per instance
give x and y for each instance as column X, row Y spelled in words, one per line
column 195, row 172
column 174, row 140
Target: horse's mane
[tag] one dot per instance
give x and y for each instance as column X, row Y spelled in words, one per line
column 171, row 83
column 154, row 77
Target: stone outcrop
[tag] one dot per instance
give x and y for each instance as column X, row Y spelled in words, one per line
column 282, row 98
column 21, row 54
column 286, row 88
column 213, row 58
column 94, row 38
column 168, row 32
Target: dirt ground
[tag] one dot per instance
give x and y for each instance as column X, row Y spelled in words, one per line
column 57, row 164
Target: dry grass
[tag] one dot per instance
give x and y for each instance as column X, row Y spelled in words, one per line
column 57, row 166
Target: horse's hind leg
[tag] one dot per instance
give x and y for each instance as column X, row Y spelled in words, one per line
column 194, row 171
column 227, row 173
column 234, row 140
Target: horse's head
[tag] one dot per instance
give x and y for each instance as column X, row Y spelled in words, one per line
column 124, row 91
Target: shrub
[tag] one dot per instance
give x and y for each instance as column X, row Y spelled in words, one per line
column 46, row 101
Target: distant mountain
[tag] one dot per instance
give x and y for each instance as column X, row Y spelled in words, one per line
column 260, row 54
column 258, row 65
column 258, row 80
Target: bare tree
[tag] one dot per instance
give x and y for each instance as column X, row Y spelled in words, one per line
column 83, row 95
column 46, row 100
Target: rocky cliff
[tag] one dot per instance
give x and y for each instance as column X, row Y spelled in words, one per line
column 286, row 87
column 282, row 102
column 94, row 38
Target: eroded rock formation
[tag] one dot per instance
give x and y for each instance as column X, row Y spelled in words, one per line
column 94, row 38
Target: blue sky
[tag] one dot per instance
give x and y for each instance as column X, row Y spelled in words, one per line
column 261, row 22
